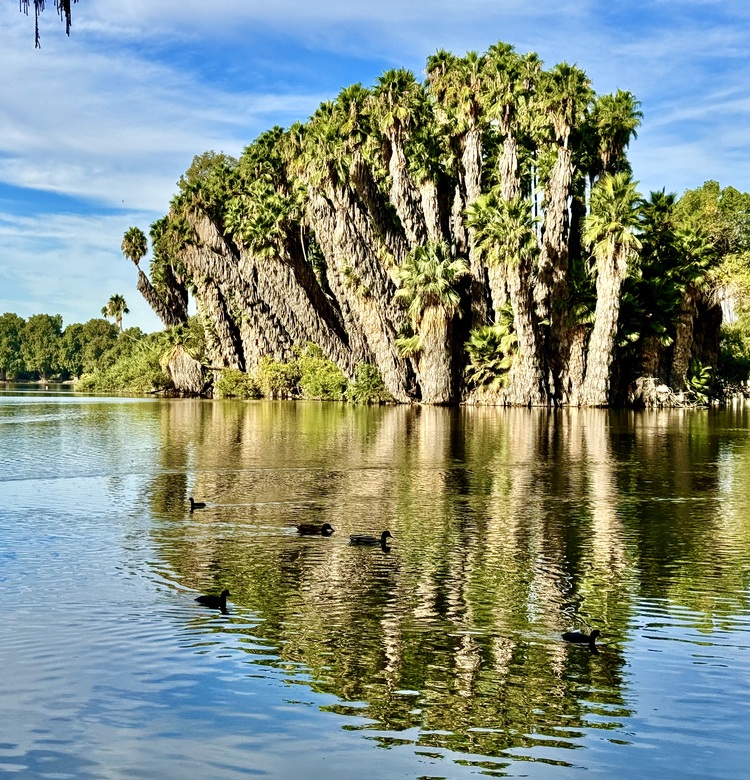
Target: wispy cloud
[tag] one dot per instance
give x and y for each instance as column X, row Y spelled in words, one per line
column 111, row 117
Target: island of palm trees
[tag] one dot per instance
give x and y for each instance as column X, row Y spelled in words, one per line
column 473, row 237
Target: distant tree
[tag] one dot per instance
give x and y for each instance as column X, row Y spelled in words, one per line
column 83, row 346
column 40, row 344
column 115, row 308
column 11, row 362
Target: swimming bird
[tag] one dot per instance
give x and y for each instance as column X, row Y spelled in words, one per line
column 582, row 639
column 196, row 504
column 315, row 528
column 371, row 540
column 215, row 602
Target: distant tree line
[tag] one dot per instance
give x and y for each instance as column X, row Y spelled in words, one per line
column 40, row 349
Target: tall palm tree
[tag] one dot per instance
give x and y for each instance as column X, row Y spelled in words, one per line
column 429, row 286
column 398, row 103
column 563, row 95
column 115, row 308
column 509, row 85
column 456, row 83
column 609, row 233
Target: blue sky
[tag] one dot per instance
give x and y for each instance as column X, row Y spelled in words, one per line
column 96, row 129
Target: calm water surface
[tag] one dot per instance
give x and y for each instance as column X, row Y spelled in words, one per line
column 440, row 658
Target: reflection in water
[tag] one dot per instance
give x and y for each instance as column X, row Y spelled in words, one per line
column 509, row 528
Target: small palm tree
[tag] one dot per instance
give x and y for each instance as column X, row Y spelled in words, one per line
column 115, row 308
column 429, row 285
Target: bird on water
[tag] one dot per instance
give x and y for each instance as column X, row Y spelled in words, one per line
column 372, row 541
column 215, row 602
column 196, row 504
column 315, row 528
column 578, row 637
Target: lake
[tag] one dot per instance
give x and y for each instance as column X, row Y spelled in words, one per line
column 440, row 657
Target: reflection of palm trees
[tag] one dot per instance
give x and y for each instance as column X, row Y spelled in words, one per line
column 461, row 614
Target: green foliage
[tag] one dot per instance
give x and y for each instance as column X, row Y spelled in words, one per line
column 491, row 349
column 191, row 337
column 408, row 346
column 699, row 381
column 368, row 387
column 40, row 344
column 136, row 369
column 276, row 379
column 83, row 347
column 236, row 384
column 11, row 361
column 734, row 352
column 320, row 379
column 134, row 245
column 429, row 278
column 115, row 308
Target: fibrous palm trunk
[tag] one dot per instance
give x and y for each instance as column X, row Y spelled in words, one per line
column 405, row 197
column 510, row 182
column 600, row 354
column 363, row 182
column 436, row 370
column 167, row 311
column 551, row 291
column 683, row 341
column 362, row 287
column 526, row 379
column 471, row 178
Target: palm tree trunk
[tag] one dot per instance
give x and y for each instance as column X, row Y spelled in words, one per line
column 167, row 314
column 526, row 380
column 510, row 181
column 226, row 333
column 577, row 364
column 362, row 287
column 551, row 291
column 683, row 342
column 363, row 182
column 428, row 192
column 405, row 197
column 553, row 263
column 471, row 179
column 436, row 371
column 596, row 386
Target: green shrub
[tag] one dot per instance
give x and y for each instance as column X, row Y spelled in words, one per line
column 368, row 387
column 277, row 380
column 236, row 384
column 320, row 379
column 734, row 352
column 136, row 370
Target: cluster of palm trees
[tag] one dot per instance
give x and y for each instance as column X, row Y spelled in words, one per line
column 476, row 236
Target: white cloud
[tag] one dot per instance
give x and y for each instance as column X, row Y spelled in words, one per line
column 113, row 115
column 69, row 265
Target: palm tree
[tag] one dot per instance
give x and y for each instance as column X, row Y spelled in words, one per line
column 115, row 308
column 134, row 244
column 563, row 96
column 503, row 231
column 616, row 119
column 509, row 85
column 609, row 233
column 398, row 103
column 429, row 280
column 456, row 83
